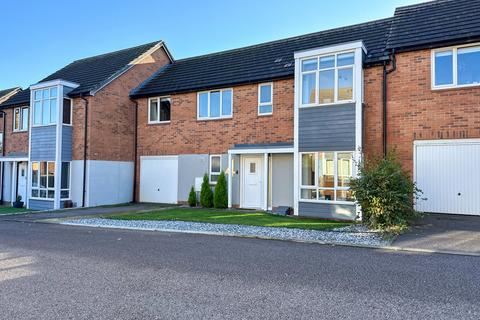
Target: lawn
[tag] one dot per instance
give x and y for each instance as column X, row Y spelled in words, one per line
column 10, row 210
column 250, row 218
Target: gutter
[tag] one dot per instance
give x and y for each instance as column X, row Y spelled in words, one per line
column 85, row 138
column 386, row 72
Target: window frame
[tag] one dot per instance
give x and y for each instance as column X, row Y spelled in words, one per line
column 39, row 188
column 41, row 104
column 261, row 104
column 69, row 189
column 210, row 172
column 158, row 99
column 20, row 122
column 454, row 50
column 316, row 187
column 209, row 92
column 71, row 111
column 317, row 78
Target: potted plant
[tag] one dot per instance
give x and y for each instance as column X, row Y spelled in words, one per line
column 18, row 203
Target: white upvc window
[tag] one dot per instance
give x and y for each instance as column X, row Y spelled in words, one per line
column 325, row 176
column 43, row 180
column 20, row 119
column 265, row 99
column 159, row 110
column 45, row 106
column 65, row 181
column 215, row 104
column 215, row 168
column 327, row 79
column 456, row 67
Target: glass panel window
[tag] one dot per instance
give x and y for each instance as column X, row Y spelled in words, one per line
column 165, row 106
column 335, row 79
column 215, row 168
column 67, row 111
column 45, row 106
column 25, row 119
column 327, row 62
column 16, row 119
column 327, row 86
column 227, row 102
column 308, row 169
column 309, row 65
column 309, row 84
column 443, row 68
column 326, row 176
column 215, row 104
column 265, row 96
column 65, row 181
column 153, row 110
column 345, row 84
column 43, row 179
column 468, row 69
column 345, row 59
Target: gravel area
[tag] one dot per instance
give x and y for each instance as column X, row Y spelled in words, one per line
column 354, row 234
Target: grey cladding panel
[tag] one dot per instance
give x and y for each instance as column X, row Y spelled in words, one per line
column 40, row 204
column 327, row 128
column 190, row 166
column 43, row 143
column 326, row 210
column 67, row 143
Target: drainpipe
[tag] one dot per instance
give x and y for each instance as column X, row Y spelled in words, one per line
column 135, row 146
column 84, row 187
column 4, row 117
column 386, row 72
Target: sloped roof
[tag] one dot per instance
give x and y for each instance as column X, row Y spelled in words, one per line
column 436, row 22
column 6, row 92
column 271, row 60
column 90, row 73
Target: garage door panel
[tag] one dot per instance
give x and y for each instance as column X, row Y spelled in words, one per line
column 159, row 179
column 449, row 176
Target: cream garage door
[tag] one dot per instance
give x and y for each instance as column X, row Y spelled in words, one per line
column 159, row 179
column 448, row 173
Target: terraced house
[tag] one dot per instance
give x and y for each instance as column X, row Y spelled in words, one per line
column 288, row 120
column 68, row 140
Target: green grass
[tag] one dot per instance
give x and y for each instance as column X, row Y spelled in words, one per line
column 250, row 218
column 9, row 210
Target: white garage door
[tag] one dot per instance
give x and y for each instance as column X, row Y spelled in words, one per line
column 159, row 179
column 448, row 173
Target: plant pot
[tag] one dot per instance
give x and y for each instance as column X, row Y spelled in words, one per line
column 18, row 204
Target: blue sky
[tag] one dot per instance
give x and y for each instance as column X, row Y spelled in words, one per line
column 40, row 37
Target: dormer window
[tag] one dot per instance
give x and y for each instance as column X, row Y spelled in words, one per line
column 327, row 79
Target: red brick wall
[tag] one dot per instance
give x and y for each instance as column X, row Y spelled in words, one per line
column 15, row 142
column 185, row 135
column 111, row 114
column 415, row 111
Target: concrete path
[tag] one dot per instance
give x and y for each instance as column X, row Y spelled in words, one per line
column 441, row 232
column 51, row 271
column 83, row 212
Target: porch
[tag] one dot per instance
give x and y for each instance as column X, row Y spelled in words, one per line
column 261, row 176
column 13, row 178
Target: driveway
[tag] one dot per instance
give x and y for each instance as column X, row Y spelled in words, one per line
column 443, row 232
column 80, row 212
column 51, row 271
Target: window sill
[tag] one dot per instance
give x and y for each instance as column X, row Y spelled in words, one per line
column 214, row 119
column 43, row 125
column 19, row 131
column 41, row 199
column 455, row 87
column 265, row 114
column 158, row 123
column 350, row 203
column 326, row 104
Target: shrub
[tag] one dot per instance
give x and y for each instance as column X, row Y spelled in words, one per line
column 220, row 196
column 386, row 194
column 206, row 194
column 192, row 198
